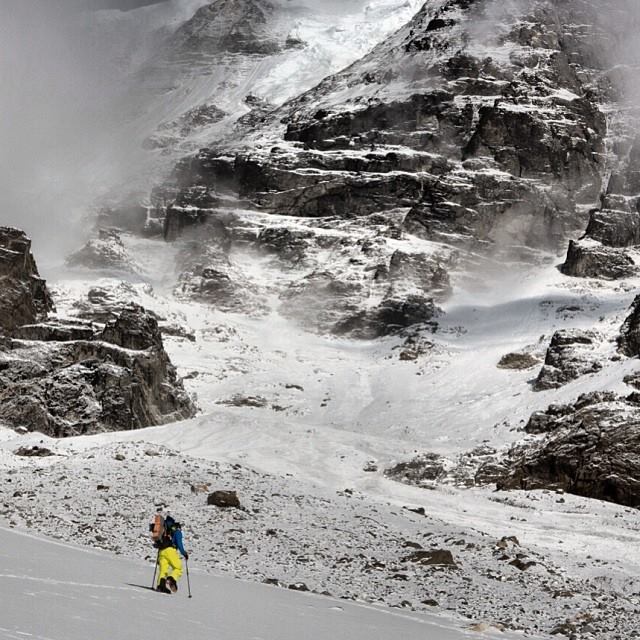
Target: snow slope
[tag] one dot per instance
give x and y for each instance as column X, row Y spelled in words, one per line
column 53, row 591
column 329, row 407
column 452, row 398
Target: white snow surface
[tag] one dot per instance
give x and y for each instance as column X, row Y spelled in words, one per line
column 54, row 591
column 330, row 408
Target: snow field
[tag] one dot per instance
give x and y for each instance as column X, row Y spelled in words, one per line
column 54, row 591
column 102, row 493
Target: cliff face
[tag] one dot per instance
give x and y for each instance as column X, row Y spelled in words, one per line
column 473, row 138
column 470, row 129
column 231, row 26
column 24, row 296
column 65, row 377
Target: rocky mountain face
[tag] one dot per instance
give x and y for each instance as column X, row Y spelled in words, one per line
column 71, row 377
column 589, row 448
column 474, row 135
column 234, row 60
column 232, row 27
column 495, row 145
column 360, row 274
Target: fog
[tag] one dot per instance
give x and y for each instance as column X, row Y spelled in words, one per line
column 123, row 5
column 68, row 103
column 65, row 100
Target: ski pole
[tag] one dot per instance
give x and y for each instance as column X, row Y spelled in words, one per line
column 155, row 569
column 188, row 581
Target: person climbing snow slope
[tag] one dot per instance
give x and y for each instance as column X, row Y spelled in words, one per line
column 169, row 562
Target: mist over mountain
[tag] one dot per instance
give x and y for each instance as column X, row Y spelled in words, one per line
column 372, row 265
column 123, row 5
column 62, row 104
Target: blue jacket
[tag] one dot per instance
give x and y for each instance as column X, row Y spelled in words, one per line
column 176, row 538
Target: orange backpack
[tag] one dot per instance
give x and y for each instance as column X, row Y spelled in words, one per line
column 157, row 528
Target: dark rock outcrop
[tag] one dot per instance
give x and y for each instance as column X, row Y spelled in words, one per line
column 135, row 329
column 592, row 449
column 232, row 26
column 24, row 297
column 589, row 259
column 391, row 316
column 61, row 381
column 423, row 469
column 569, row 356
column 614, row 228
column 629, row 339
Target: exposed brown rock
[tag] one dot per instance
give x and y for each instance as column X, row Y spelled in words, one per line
column 224, row 499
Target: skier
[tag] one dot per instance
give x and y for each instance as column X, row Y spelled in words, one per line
column 169, row 563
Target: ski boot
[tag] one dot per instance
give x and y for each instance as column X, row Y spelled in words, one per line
column 171, row 584
column 162, row 586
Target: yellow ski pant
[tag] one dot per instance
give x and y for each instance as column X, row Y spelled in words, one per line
column 169, row 563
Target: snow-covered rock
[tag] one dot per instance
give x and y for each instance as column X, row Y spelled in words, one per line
column 24, row 297
column 67, row 379
column 591, row 450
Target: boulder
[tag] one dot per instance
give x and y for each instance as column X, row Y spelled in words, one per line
column 224, row 499
column 34, row 451
column 441, row 557
column 518, row 361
